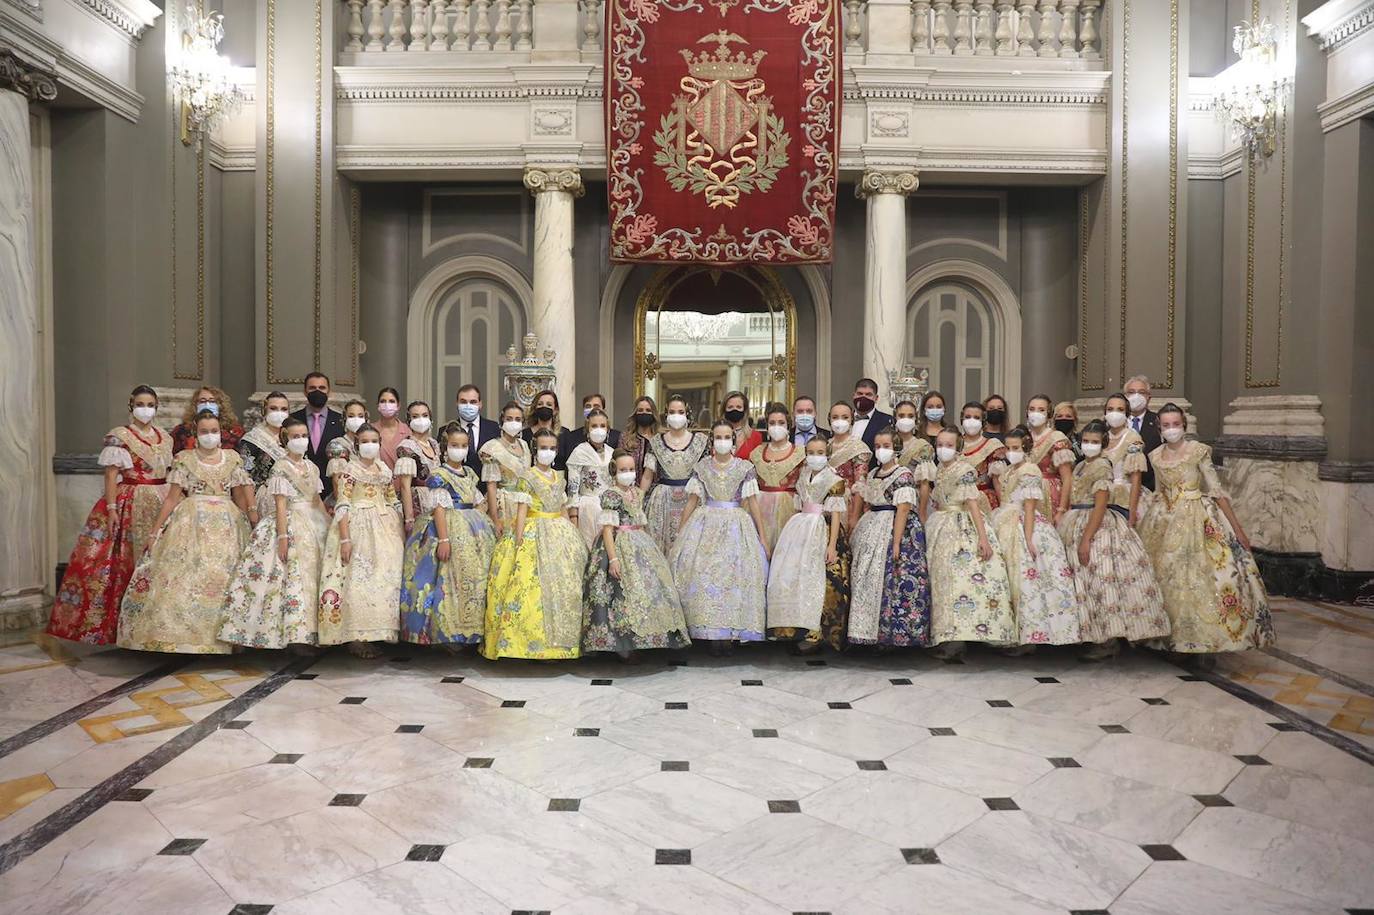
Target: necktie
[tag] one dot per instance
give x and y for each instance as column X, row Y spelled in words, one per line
column 472, row 436
column 315, row 419
column 1135, row 423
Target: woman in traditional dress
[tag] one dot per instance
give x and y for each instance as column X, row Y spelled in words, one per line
column 912, row 447
column 849, row 457
column 175, row 600
column 589, row 473
column 672, row 455
column 504, row 460
column 968, row 580
column 1212, row 588
column 262, row 447
column 416, row 458
column 1126, row 450
column 213, row 400
column 447, row 560
column 360, row 583
column 933, row 410
column 273, row 598
column 889, row 577
column 985, row 455
column 736, row 412
column 778, row 466
column 389, row 425
column 1037, row 567
column 1052, row 452
column 996, row 420
column 630, row 601
column 720, row 559
column 1118, row 597
column 343, row 448
column 534, row 594
column 640, row 430
column 135, row 457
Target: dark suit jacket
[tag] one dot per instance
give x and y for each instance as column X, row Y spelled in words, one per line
column 877, row 422
column 333, row 428
column 573, row 437
column 1149, row 432
column 487, row 429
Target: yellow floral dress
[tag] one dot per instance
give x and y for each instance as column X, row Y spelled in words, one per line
column 970, row 597
column 502, row 466
column 534, row 592
column 1212, row 588
column 360, row 600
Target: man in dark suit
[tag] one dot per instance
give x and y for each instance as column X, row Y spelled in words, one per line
column 804, row 422
column 574, row 437
column 323, row 423
column 1143, row 420
column 868, row 419
column 480, row 430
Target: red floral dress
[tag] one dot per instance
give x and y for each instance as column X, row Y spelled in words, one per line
column 101, row 564
column 1050, row 452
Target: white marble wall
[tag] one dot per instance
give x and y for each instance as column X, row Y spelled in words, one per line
column 1348, row 525
column 76, row 494
column 1278, row 502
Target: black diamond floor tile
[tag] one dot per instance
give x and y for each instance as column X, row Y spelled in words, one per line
column 451, row 680
column 1154, row 700
column 942, row 732
column 1251, row 760
column 998, row 703
column 872, row 765
column 182, row 846
column 784, row 807
column 286, row 758
column 425, row 852
column 1089, row 912
column 1046, row 679
column 675, row 765
column 839, row 705
column 346, row 800
column 1064, row 762
column 1163, row 853
column 250, row 908
column 675, row 706
column 1114, row 728
column 565, row 804
column 513, row 703
column 134, row 795
column 672, row 856
column 530, row 912
column 410, row 729
column 1212, row 800
column 920, row 856
column 352, row 700
column 478, row 762
column 602, row 682
column 765, row 732
column 1001, row 803
column 306, row 676
column 586, row 732
column 900, row 681
column 751, row 683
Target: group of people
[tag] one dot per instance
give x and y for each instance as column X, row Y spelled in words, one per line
column 917, row 528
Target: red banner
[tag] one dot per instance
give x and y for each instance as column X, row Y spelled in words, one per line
column 722, row 130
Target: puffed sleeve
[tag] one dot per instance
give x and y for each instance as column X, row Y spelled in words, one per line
column 650, row 462
column 905, row 491
column 405, row 466
column 278, row 484
column 966, row 486
column 491, row 468
column 1029, row 486
column 521, row 494
column 922, row 472
column 338, row 452
column 238, row 476
column 997, row 464
column 1211, row 482
column 114, row 453
column 439, row 497
column 1062, row 453
column 611, row 503
column 750, row 487
column 695, row 487
column 837, row 499
column 1099, row 476
column 181, row 473
column 1134, row 461
column 343, row 494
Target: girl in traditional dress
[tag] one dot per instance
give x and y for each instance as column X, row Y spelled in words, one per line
column 416, row 458
column 273, row 599
column 720, row 558
column 534, row 594
column 985, row 455
column 589, row 473
column 968, row 580
column 849, row 457
column 175, row 600
column 389, row 425
column 1052, row 452
column 343, row 448
column 135, row 457
column 995, row 419
column 1118, row 597
column 672, row 455
column 631, row 600
column 933, row 412
column 640, row 430
column 360, row 584
column 262, row 447
column 504, row 460
column 778, row 466
column 808, row 550
column 889, row 578
column 447, row 560
column 1126, row 450
column 213, row 400
column 912, row 448
column 1037, row 568
column 1212, row 588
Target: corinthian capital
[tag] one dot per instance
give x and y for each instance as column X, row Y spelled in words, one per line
column 20, row 76
column 541, row 180
column 886, row 182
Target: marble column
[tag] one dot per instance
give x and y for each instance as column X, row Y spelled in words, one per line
column 734, row 375
column 553, row 317
column 885, row 270
column 25, row 571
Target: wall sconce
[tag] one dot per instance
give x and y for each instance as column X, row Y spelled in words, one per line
column 200, row 77
column 1250, row 92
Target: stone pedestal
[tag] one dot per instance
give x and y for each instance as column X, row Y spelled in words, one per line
column 553, row 317
column 885, row 270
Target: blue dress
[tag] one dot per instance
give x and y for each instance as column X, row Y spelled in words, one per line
column 446, row 602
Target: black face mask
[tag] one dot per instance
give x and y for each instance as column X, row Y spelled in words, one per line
column 317, row 399
column 1064, row 425
column 542, row 414
column 644, row 420
column 734, row 415
column 997, row 417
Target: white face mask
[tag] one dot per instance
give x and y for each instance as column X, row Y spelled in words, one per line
column 299, row 445
column 457, row 455
column 724, row 445
column 1137, row 401
column 146, row 414
column 512, row 427
column 677, row 420
column 1172, row 434
column 777, row 432
column 935, row 414
column 883, row 455
column 906, row 424
column 1015, row 457
column 1091, row 449
column 817, row 462
column 420, row 425
column 545, row 456
column 625, row 478
column 972, row 425
column 597, row 435
column 275, row 418
column 945, row 453
column 369, row 450
column 1115, row 418
column 208, row 440
column 839, row 426
column 354, row 423
column 1036, row 418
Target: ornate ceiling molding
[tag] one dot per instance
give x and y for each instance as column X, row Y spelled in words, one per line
column 1340, row 21
column 132, row 17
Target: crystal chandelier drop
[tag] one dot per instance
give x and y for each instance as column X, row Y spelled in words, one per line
column 201, row 79
column 1250, row 92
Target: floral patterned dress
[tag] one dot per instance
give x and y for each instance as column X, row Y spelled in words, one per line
column 1212, row 588
column 103, row 560
column 1127, row 454
column 668, row 496
column 261, row 449
column 1049, row 452
column 272, row 604
column 504, row 465
column 850, row 459
column 718, row 559
column 589, row 473
column 797, row 579
column 1041, row 585
column 1117, row 593
column 414, row 460
column 445, row 603
column 175, row 600
column 534, row 594
column 359, row 600
column 914, row 451
column 777, row 488
column 641, row 609
column 890, row 600
column 988, row 458
column 184, row 437
column 971, row 597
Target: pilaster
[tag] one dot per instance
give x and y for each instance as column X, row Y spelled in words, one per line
column 553, row 315
column 885, row 269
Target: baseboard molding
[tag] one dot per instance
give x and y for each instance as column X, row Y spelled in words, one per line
column 1305, row 575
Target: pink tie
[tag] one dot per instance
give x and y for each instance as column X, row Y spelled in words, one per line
column 315, row 431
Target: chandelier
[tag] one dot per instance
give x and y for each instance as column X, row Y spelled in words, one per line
column 1250, row 92
column 200, row 77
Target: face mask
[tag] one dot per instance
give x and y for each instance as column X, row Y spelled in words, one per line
column 724, row 445
column 734, row 415
column 997, row 417
column 457, row 455
column 972, row 426
column 863, row 403
column 1064, row 425
column 543, row 414
column 645, row 420
column 275, row 418
column 146, row 414
column 468, row 412
column 317, row 399
column 512, row 427
column 676, row 421
column 806, row 422
column 839, row 426
column 545, row 456
column 817, row 462
column 1015, row 457
column 625, row 478
column 945, row 454
column 420, row 425
column 211, row 405
column 1172, row 434
column 354, row 423
column 597, row 435
column 1137, row 402
column 370, row 450
column 935, row 414
column 883, row 455
column 298, row 445
column 777, row 432
column 586, row 411
column 1091, row 449
column 1115, row 418
column 208, row 440
column 388, row 409
column 1036, row 419
column 906, row 424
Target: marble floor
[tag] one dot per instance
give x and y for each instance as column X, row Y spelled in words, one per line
column 763, row 782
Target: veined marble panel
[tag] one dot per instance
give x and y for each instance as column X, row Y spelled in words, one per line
column 76, row 494
column 1278, row 502
column 1347, row 510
